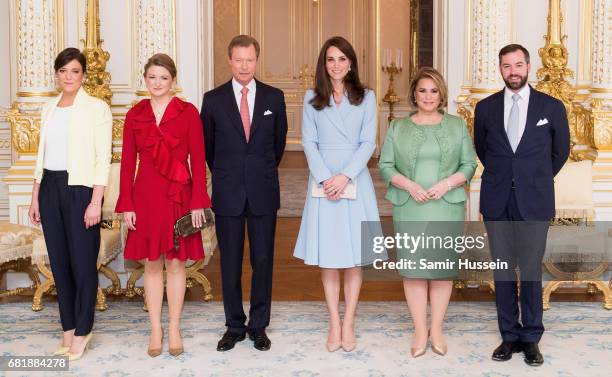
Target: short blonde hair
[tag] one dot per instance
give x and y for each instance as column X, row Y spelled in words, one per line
column 436, row 77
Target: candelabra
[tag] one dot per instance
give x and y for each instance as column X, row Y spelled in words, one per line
column 392, row 67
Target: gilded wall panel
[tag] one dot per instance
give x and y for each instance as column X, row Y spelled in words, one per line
column 226, row 16
column 277, row 39
column 118, row 38
column 395, row 34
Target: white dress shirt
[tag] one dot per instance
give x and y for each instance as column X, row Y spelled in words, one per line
column 56, row 142
column 250, row 95
column 523, row 104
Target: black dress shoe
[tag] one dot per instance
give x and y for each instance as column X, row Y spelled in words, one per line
column 229, row 340
column 260, row 339
column 505, row 350
column 532, row 354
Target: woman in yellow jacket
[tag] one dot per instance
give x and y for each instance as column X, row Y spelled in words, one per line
column 72, row 169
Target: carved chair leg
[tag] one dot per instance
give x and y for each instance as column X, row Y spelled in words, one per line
column 101, row 300
column 37, row 304
column 115, row 288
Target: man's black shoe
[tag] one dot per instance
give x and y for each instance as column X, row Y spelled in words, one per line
column 505, row 350
column 260, row 339
column 229, row 340
column 532, row 354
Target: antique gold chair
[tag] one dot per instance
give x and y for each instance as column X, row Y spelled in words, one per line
column 15, row 255
column 578, row 250
column 110, row 248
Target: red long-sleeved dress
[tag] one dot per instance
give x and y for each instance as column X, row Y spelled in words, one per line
column 164, row 190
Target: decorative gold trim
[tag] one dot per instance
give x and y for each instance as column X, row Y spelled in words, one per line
column 37, row 94
column 600, row 90
column 377, row 70
column 25, row 130
column 484, row 91
column 467, row 44
column 584, row 48
column 18, row 180
column 97, row 79
column 59, row 24
column 21, row 172
column 413, row 64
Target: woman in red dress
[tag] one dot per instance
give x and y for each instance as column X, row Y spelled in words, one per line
column 163, row 132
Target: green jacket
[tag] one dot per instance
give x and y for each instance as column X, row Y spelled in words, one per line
column 401, row 148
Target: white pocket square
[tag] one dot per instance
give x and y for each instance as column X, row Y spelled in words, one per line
column 267, row 112
column 542, row 122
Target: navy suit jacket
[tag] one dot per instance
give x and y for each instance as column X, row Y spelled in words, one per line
column 539, row 156
column 244, row 171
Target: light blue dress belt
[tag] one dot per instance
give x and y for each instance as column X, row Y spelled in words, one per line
column 333, row 146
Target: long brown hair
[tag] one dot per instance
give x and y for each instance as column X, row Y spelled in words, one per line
column 323, row 87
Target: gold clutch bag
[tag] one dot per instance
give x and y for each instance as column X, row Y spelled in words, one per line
column 183, row 227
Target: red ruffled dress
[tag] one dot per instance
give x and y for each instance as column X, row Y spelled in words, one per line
column 164, row 190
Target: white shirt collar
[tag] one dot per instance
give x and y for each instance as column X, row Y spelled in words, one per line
column 238, row 86
column 523, row 93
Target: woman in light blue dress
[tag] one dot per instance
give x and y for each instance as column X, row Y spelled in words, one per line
column 339, row 136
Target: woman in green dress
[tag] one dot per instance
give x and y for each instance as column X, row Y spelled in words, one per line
column 425, row 161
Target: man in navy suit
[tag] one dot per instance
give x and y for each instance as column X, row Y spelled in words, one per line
column 522, row 139
column 245, row 127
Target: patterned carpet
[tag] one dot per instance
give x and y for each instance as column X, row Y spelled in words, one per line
column 293, row 187
column 577, row 342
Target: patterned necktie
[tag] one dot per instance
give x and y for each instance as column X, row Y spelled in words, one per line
column 513, row 123
column 244, row 113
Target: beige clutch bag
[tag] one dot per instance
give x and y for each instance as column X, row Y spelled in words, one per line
column 350, row 191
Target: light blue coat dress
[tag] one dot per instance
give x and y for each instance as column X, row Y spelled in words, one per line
column 339, row 139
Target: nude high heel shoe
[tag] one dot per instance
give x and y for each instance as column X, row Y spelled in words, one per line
column 335, row 346
column 420, row 351
column 154, row 352
column 177, row 351
column 349, row 345
column 440, row 349
column 61, row 351
column 77, row 356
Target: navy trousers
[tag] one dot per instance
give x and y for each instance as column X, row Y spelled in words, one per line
column 230, row 233
column 519, row 243
column 73, row 250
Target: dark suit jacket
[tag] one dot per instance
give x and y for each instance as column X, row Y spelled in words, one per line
column 244, row 171
column 539, row 156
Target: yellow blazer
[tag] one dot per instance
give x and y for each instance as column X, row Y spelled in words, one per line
column 89, row 140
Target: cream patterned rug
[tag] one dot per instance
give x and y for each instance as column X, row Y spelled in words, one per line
column 577, row 342
column 293, row 190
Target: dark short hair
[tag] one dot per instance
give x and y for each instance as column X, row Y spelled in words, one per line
column 242, row 41
column 512, row 48
column 69, row 54
column 161, row 60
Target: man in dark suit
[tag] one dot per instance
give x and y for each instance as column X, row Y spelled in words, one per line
column 245, row 127
column 522, row 139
